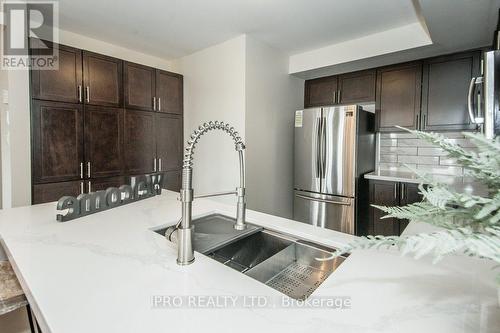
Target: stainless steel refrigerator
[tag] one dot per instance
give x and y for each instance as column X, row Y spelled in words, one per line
column 334, row 147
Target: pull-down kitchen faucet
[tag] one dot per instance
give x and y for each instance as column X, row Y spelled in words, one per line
column 183, row 232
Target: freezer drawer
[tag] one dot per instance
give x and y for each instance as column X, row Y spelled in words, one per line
column 325, row 211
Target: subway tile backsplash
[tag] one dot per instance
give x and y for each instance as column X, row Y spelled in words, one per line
column 395, row 150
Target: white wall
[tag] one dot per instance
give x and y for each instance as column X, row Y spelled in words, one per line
column 243, row 82
column 94, row 45
column 214, row 89
column 272, row 96
column 15, row 141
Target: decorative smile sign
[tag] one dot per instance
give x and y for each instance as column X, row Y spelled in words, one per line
column 141, row 187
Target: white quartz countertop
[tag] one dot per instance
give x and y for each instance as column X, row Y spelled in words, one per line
column 459, row 183
column 101, row 272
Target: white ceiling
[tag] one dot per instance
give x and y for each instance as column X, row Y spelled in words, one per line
column 174, row 28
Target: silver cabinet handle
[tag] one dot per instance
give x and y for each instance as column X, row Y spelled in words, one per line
column 342, row 203
column 81, row 170
column 338, row 96
column 154, row 164
column 154, row 103
column 87, row 93
column 395, row 190
column 159, row 164
column 335, row 97
column 90, row 186
column 80, row 93
column 159, row 103
column 424, row 125
column 403, row 190
column 81, row 188
column 417, row 123
column 88, row 169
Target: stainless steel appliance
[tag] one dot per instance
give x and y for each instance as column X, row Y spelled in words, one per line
column 334, row 147
column 484, row 92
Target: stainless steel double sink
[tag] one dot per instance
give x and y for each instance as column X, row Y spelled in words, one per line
column 290, row 265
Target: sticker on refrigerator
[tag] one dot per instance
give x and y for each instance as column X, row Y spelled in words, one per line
column 298, row 118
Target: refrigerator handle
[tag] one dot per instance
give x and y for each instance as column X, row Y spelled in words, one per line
column 318, row 146
column 342, row 203
column 323, row 146
column 469, row 100
column 475, row 117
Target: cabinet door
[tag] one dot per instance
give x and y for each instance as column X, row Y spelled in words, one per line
column 168, row 130
column 139, row 82
column 169, row 92
column 64, row 84
column 445, row 89
column 57, row 141
column 385, row 194
column 398, row 96
column 103, row 141
column 173, row 180
column 102, row 79
column 357, row 87
column 102, row 184
column 139, row 142
column 320, row 92
column 54, row 191
column 409, row 194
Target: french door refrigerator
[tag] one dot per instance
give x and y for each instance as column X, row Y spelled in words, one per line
column 334, row 146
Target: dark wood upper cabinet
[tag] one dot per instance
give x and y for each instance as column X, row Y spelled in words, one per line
column 357, row 87
column 168, row 141
column 398, row 96
column 43, row 193
column 139, row 86
column 102, row 79
column 104, row 155
column 383, row 193
column 319, row 92
column 169, row 92
column 139, row 142
column 64, row 84
column 57, row 141
column 445, row 87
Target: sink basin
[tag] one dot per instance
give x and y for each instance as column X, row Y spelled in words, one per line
column 215, row 230
column 290, row 265
column 250, row 251
column 297, row 270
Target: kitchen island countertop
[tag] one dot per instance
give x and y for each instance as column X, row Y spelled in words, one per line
column 100, row 273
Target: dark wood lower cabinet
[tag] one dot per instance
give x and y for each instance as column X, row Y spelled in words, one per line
column 409, row 194
column 104, row 141
column 94, row 185
column 386, row 193
column 57, row 141
column 168, row 133
column 173, row 180
column 140, row 147
column 43, row 193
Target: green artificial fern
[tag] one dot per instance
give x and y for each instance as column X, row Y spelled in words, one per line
column 470, row 223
